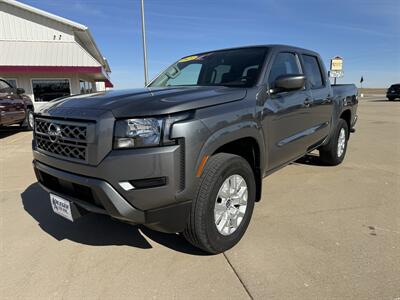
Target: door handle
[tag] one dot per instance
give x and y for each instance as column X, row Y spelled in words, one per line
column 307, row 102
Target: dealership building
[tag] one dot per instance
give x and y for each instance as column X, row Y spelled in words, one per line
column 47, row 55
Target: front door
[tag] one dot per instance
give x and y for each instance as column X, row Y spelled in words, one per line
column 285, row 114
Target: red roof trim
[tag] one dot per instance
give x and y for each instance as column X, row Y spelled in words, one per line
column 50, row 69
column 108, row 84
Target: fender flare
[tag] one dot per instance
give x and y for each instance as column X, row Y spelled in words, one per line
column 225, row 135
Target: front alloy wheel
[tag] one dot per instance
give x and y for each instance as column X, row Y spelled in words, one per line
column 230, row 204
column 223, row 206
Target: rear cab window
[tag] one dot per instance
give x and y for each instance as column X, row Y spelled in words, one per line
column 313, row 71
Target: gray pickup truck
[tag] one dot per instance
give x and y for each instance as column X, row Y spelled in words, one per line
column 188, row 153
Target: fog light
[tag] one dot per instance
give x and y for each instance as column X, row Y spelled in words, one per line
column 126, row 185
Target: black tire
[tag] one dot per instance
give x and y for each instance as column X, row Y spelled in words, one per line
column 26, row 123
column 391, row 99
column 201, row 230
column 329, row 153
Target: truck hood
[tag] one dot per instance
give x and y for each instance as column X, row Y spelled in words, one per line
column 146, row 101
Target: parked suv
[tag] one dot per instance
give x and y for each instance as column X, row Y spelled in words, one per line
column 15, row 107
column 393, row 92
column 188, row 152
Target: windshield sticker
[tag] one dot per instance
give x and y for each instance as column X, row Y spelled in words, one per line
column 204, row 56
column 189, row 58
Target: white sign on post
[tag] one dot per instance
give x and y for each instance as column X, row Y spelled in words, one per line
column 336, row 67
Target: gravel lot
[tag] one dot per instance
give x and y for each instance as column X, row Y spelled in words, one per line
column 318, row 233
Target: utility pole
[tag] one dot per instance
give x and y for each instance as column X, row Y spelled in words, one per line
column 144, row 46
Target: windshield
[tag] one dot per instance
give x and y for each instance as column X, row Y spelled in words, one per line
column 238, row 67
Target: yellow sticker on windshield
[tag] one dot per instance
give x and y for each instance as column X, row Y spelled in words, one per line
column 189, row 58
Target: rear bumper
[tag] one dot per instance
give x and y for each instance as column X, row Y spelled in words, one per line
column 98, row 196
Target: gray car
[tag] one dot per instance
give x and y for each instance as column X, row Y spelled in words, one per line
column 188, row 152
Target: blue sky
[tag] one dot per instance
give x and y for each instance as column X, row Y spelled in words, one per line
column 366, row 33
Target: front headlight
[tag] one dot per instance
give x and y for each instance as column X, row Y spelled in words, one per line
column 147, row 132
column 137, row 133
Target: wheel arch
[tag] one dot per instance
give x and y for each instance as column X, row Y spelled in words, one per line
column 245, row 140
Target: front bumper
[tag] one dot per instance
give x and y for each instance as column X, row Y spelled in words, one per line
column 129, row 165
column 98, row 196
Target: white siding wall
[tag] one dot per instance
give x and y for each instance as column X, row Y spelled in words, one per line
column 18, row 24
column 48, row 42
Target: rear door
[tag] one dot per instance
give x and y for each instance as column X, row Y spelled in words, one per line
column 322, row 105
column 285, row 114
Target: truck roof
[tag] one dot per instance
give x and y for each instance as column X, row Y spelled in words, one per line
column 269, row 46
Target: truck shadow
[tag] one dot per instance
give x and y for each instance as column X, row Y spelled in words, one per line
column 7, row 131
column 97, row 230
column 310, row 159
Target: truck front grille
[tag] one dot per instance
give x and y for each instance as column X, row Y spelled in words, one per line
column 61, row 138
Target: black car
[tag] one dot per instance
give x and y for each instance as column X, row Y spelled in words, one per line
column 393, row 92
column 15, row 106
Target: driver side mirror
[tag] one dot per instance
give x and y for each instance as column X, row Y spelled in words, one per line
column 289, row 83
column 20, row 91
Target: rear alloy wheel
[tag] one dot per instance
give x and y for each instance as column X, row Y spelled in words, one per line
column 224, row 204
column 341, row 144
column 29, row 121
column 334, row 152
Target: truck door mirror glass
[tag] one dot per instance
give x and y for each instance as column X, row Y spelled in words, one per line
column 289, row 83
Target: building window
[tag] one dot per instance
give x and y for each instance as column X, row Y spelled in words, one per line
column 49, row 89
column 86, row 87
column 12, row 82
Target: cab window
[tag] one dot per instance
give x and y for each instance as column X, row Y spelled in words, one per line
column 313, row 71
column 285, row 63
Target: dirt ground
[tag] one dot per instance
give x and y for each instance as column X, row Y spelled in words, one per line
column 318, row 233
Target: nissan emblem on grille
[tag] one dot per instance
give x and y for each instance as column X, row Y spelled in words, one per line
column 54, row 132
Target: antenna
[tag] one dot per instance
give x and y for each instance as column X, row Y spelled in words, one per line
column 144, row 45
